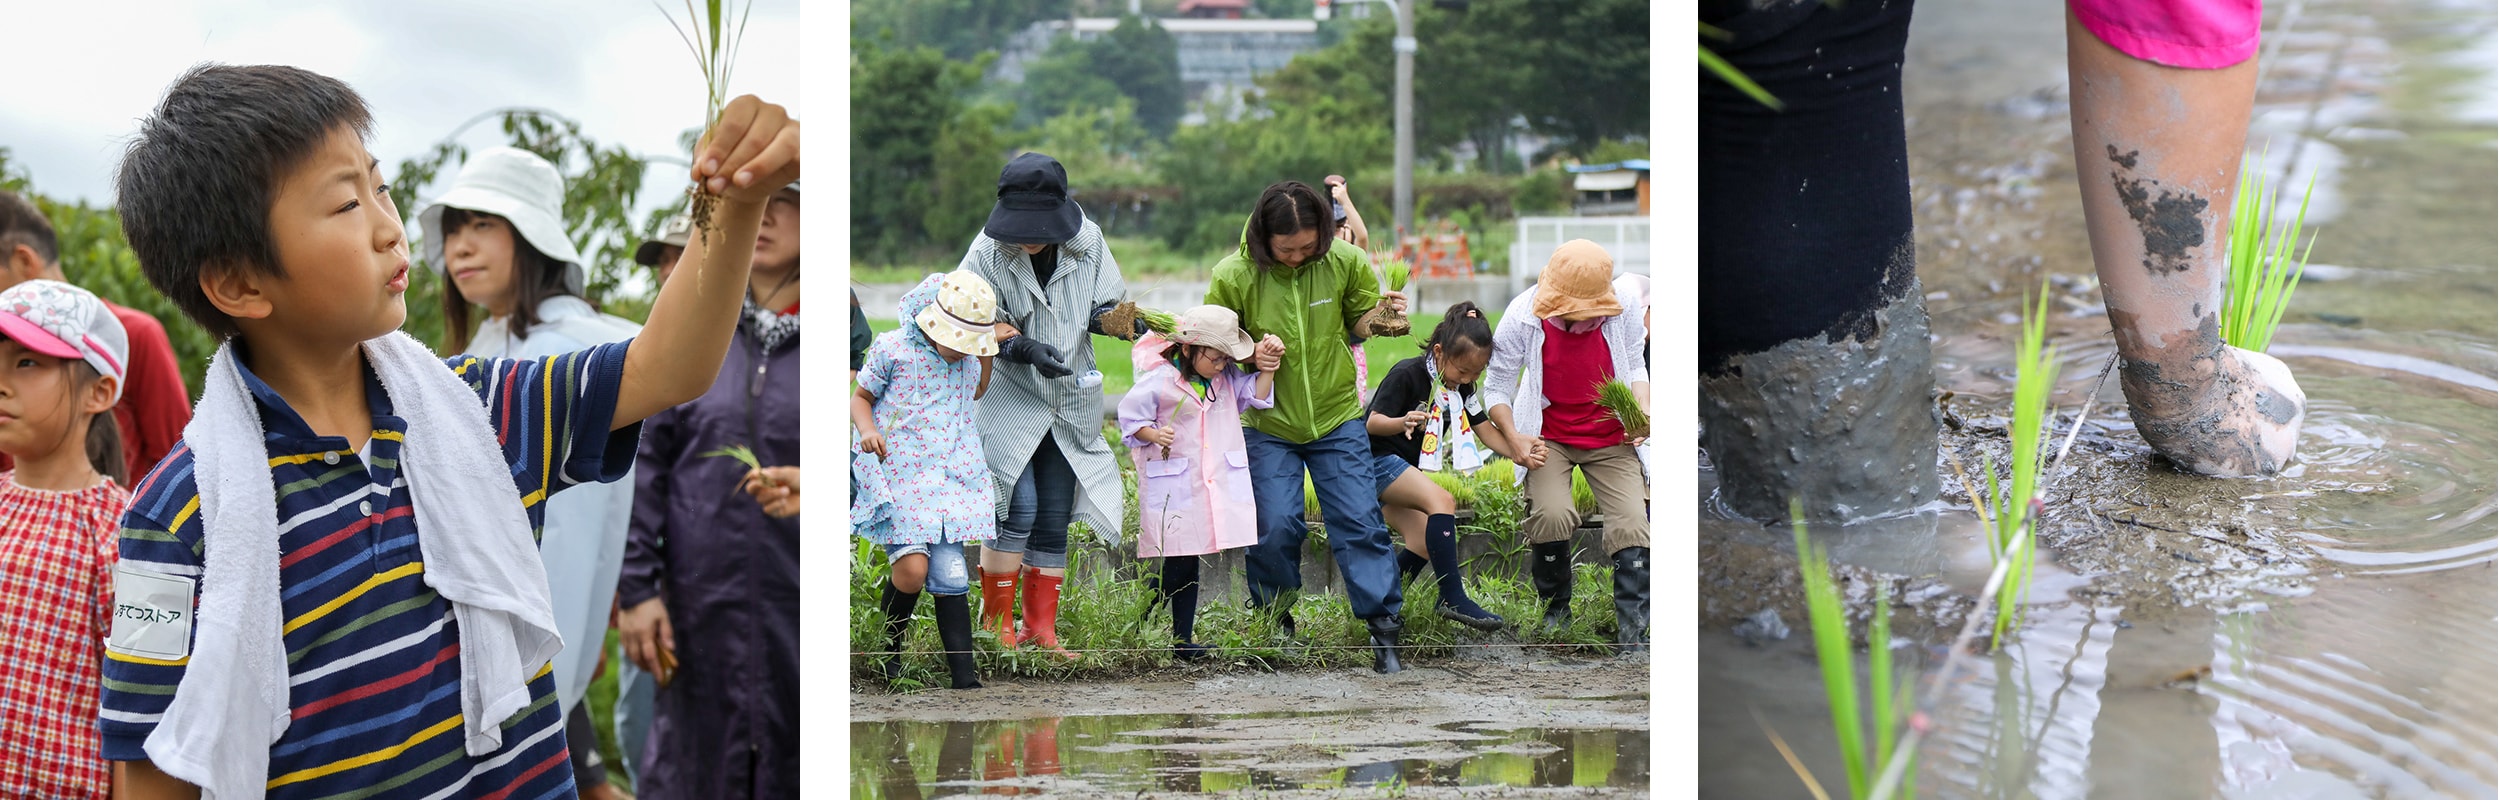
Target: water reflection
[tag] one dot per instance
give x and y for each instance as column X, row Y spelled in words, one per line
column 1222, row 753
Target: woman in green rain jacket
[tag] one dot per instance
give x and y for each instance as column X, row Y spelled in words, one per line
column 1292, row 278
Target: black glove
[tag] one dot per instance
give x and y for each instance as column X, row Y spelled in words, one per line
column 1028, row 350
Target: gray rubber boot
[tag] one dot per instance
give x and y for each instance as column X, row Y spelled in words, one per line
column 1632, row 600
column 1848, row 427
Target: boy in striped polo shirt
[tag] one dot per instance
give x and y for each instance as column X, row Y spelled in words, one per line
column 253, row 205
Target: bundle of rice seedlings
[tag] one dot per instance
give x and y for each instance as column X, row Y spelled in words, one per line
column 715, row 48
column 1158, row 320
column 1617, row 397
column 1394, row 323
column 1122, row 319
column 2263, row 270
column 1398, row 273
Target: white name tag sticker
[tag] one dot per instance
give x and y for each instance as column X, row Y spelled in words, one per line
column 151, row 614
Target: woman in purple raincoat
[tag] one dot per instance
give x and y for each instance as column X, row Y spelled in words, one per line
column 710, row 576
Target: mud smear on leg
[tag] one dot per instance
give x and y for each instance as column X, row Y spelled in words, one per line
column 2175, row 412
column 2172, row 221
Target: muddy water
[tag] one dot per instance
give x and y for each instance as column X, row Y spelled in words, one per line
column 2326, row 633
column 1520, row 726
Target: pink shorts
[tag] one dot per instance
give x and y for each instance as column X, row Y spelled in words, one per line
column 2193, row 34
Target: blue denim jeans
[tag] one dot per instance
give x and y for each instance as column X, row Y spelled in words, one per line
column 1340, row 465
column 1039, row 509
column 947, row 574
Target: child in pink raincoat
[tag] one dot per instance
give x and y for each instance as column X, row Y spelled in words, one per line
column 1182, row 423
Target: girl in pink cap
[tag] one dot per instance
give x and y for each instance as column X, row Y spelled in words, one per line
column 61, row 367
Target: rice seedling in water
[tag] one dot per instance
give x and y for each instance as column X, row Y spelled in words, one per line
column 1888, row 697
column 2263, row 269
column 1617, row 397
column 2013, row 507
column 714, row 42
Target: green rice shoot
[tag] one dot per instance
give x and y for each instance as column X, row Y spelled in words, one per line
column 2035, row 370
column 713, row 40
column 1728, row 72
column 1888, row 695
column 744, row 455
column 1617, row 397
column 1158, row 320
column 2263, row 269
column 1398, row 272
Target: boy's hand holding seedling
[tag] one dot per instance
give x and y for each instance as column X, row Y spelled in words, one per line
column 749, row 154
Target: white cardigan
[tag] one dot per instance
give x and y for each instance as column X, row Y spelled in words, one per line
column 1516, row 375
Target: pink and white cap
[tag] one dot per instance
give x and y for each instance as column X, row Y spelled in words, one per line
column 64, row 321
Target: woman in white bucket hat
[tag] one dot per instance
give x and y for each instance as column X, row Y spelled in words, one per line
column 498, row 235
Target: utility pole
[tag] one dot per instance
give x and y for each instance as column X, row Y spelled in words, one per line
column 1404, row 101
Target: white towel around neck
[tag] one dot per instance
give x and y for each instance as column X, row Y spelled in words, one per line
column 232, row 703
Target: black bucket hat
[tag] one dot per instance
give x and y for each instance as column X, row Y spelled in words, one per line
column 1033, row 205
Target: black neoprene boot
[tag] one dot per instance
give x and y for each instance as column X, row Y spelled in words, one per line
column 1632, row 599
column 954, row 620
column 1385, row 632
column 1549, row 566
column 899, row 607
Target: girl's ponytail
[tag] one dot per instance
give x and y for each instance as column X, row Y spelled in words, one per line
column 104, row 448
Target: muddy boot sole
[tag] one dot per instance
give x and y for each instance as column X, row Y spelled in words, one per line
column 1489, row 622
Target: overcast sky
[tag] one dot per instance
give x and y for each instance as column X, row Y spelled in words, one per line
column 83, row 73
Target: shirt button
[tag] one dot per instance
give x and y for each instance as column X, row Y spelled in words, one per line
column 330, row 458
column 365, row 508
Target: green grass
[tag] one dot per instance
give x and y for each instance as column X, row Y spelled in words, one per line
column 2263, row 270
column 1112, row 355
column 1138, row 256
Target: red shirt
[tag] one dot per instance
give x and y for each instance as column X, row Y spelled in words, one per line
column 1575, row 363
column 155, row 404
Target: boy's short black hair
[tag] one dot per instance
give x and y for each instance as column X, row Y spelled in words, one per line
column 197, row 183
column 22, row 223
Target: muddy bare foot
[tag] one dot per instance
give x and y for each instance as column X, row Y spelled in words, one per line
column 2227, row 413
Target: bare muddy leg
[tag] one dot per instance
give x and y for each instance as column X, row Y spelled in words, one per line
column 1816, row 382
column 2157, row 152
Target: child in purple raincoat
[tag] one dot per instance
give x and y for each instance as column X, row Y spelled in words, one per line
column 1182, row 423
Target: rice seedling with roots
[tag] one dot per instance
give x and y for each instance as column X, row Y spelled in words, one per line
column 713, row 38
column 1394, row 323
column 1617, row 398
column 2263, row 268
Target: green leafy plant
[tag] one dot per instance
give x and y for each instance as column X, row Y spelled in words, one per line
column 2263, row 269
column 1888, row 696
column 1617, row 397
column 714, row 41
column 1158, row 320
column 1398, row 272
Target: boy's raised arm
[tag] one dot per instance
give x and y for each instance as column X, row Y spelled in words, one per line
column 141, row 780
column 748, row 155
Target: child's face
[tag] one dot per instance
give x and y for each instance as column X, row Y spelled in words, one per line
column 37, row 401
column 1209, row 362
column 951, row 355
column 342, row 246
column 1462, row 370
column 478, row 255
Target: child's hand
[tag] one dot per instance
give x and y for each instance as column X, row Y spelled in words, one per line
column 871, row 441
column 1531, row 451
column 776, row 489
column 1157, row 436
column 751, row 152
column 1269, row 354
column 1415, row 419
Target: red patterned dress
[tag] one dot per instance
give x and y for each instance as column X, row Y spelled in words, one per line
column 56, row 599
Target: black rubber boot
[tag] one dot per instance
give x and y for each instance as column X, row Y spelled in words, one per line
column 954, row 621
column 1385, row 632
column 1632, row 600
column 1441, row 545
column 899, row 607
column 1549, row 565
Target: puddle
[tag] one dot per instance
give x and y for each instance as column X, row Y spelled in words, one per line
column 1189, row 753
column 2327, row 633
